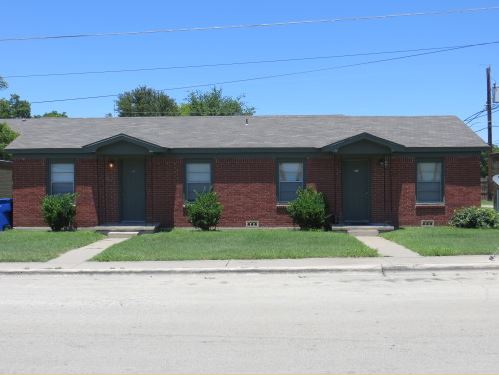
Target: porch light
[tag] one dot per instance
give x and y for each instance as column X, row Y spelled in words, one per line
column 111, row 164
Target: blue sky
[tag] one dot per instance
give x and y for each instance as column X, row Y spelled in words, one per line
column 448, row 83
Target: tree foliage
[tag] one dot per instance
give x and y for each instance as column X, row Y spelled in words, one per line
column 145, row 101
column 59, row 211
column 3, row 83
column 205, row 212
column 52, row 114
column 309, row 209
column 214, row 103
column 15, row 107
column 7, row 135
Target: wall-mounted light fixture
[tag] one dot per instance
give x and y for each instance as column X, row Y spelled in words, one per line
column 383, row 163
column 111, row 164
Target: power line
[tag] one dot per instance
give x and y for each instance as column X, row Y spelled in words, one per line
column 249, row 25
column 270, row 76
column 237, row 63
column 497, row 126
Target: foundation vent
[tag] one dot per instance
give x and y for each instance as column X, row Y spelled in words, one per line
column 427, row 223
column 252, row 224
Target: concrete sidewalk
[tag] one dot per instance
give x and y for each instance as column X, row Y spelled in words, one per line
column 374, row 264
column 74, row 258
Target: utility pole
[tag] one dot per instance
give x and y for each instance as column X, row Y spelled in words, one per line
column 489, row 108
column 489, row 135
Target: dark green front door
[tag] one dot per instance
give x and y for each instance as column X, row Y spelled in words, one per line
column 133, row 192
column 355, row 175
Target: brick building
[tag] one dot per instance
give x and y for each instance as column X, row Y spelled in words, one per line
column 380, row 170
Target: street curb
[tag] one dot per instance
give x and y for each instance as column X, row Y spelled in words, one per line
column 332, row 269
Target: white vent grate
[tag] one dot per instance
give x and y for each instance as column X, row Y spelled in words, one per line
column 252, row 224
column 427, row 223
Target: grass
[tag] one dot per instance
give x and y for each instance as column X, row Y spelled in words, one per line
column 40, row 246
column 183, row 244
column 446, row 240
column 485, row 203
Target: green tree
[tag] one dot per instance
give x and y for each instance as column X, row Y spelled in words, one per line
column 214, row 103
column 484, row 161
column 3, row 83
column 52, row 114
column 15, row 107
column 145, row 101
column 7, row 135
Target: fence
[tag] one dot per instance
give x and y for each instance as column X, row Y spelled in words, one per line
column 484, row 181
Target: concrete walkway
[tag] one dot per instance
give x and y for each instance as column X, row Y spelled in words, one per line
column 372, row 264
column 385, row 247
column 75, row 257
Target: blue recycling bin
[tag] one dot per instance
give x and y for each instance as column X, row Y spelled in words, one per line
column 5, row 213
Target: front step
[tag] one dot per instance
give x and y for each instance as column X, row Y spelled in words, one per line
column 122, row 234
column 347, row 228
column 363, row 232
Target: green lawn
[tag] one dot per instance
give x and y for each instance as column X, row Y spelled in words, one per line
column 40, row 246
column 184, row 244
column 447, row 240
column 485, row 203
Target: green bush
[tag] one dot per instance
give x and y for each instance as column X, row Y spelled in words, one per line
column 59, row 211
column 205, row 211
column 475, row 217
column 309, row 209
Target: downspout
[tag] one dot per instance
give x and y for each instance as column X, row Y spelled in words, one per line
column 384, row 189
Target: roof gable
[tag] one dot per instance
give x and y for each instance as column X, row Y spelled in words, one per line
column 363, row 143
column 123, row 144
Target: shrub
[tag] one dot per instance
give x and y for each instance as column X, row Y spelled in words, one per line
column 205, row 211
column 475, row 217
column 59, row 211
column 309, row 209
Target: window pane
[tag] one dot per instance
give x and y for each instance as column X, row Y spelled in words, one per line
column 198, row 173
column 61, row 188
column 429, row 172
column 287, row 191
column 290, row 172
column 429, row 182
column 62, row 178
column 192, row 189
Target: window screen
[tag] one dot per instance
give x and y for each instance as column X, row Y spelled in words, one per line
column 429, row 182
column 198, row 179
column 290, row 179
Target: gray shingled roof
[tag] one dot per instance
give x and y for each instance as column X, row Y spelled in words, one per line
column 231, row 132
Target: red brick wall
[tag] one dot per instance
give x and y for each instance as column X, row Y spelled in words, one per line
column 324, row 174
column 109, row 190
column 164, row 196
column 462, row 188
column 380, row 191
column 87, row 188
column 247, row 189
column 29, row 188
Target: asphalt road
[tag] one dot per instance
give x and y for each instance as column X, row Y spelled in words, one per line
column 250, row 323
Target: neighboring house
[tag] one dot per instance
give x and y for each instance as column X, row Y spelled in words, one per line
column 396, row 170
column 5, row 179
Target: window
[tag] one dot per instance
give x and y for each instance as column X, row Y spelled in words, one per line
column 429, row 182
column 290, row 179
column 197, row 179
column 61, row 178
